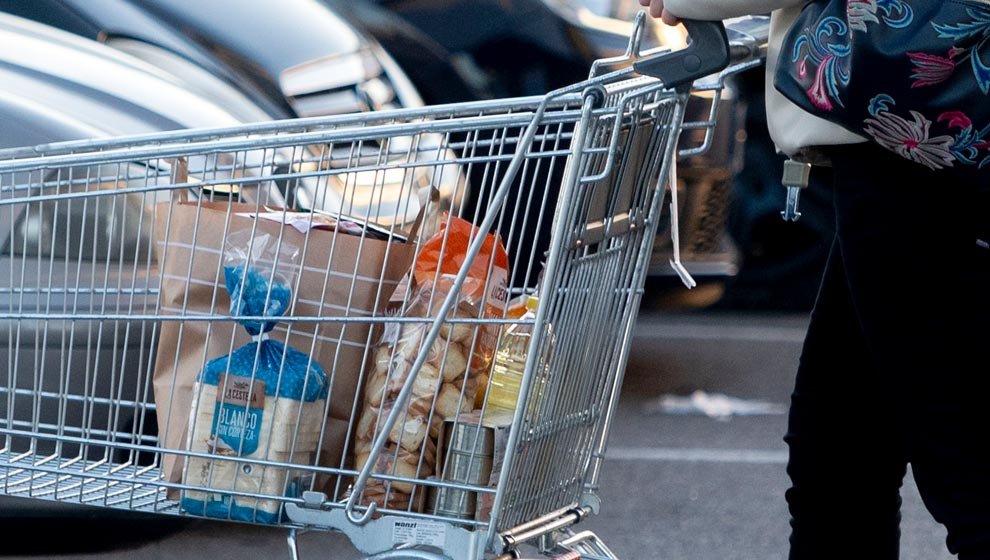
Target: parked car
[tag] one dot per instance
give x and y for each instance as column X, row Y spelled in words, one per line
column 529, row 47
column 292, row 58
column 731, row 231
column 518, row 48
column 437, row 74
column 57, row 87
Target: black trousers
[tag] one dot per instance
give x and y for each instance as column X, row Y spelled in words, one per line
column 895, row 369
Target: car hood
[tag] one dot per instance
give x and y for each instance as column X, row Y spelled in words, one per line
column 224, row 34
column 57, row 86
column 236, row 27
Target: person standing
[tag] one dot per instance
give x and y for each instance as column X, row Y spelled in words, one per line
column 894, row 368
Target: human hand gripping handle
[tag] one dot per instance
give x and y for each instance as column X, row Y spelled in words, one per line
column 707, row 53
column 658, row 11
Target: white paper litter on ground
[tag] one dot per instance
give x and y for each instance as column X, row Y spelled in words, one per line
column 720, row 407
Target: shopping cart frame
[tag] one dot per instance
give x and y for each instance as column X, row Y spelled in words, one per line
column 311, row 511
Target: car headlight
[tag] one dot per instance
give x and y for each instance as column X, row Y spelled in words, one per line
column 345, row 83
column 389, row 192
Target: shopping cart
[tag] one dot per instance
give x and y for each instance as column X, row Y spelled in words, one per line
column 571, row 183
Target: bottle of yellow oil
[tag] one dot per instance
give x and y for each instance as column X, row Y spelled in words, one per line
column 510, row 362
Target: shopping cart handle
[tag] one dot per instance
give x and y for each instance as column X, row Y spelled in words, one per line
column 707, row 54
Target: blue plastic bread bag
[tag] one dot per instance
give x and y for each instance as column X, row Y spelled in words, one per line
column 264, row 401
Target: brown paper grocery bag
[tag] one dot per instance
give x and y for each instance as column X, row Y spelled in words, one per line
column 341, row 275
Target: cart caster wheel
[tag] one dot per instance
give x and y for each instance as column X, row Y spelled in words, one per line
column 292, row 539
column 408, row 555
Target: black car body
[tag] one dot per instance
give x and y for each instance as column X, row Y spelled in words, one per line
column 523, row 47
column 529, row 47
column 731, row 198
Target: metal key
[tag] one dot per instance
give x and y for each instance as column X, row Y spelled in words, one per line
column 796, row 176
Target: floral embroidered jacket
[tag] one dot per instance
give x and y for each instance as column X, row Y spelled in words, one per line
column 794, row 131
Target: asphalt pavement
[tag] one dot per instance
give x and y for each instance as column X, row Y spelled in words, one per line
column 675, row 486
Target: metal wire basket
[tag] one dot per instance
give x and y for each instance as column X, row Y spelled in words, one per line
column 571, row 184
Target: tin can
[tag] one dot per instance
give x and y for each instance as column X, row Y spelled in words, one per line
column 467, row 451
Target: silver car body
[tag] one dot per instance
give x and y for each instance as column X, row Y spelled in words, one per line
column 58, row 87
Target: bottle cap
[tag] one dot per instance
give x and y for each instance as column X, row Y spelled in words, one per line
column 532, row 302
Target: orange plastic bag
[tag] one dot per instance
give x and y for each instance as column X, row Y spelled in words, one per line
column 489, row 271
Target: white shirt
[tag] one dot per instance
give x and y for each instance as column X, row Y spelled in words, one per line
column 792, row 129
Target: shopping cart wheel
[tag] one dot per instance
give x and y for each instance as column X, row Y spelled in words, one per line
column 411, row 554
column 584, row 545
column 408, row 555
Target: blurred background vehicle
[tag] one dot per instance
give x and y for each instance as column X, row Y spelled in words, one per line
column 529, row 47
column 315, row 57
column 292, row 59
column 780, row 263
column 731, row 232
column 56, row 87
